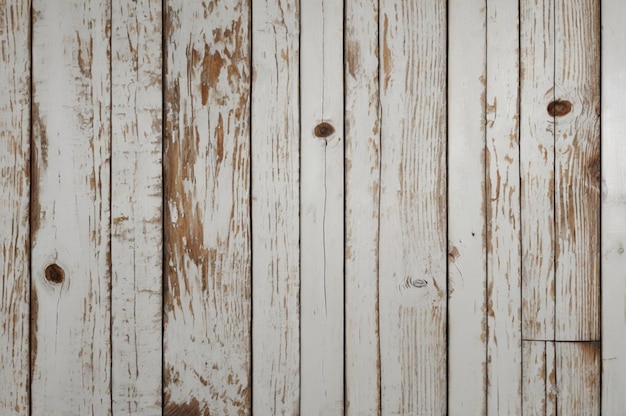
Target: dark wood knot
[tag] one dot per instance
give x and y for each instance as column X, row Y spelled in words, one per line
column 323, row 129
column 54, row 274
column 559, row 108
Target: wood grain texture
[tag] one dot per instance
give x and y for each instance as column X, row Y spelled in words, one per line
column 539, row 378
column 613, row 207
column 467, row 326
column 207, row 209
column 503, row 210
column 14, row 206
column 275, row 208
column 362, row 207
column 322, row 208
column 413, row 207
column 537, row 168
column 577, row 170
column 70, row 209
column 578, row 378
column 136, row 206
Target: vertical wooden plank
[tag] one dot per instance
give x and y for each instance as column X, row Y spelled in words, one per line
column 539, row 378
column 503, row 210
column 70, row 339
column 362, row 207
column 467, row 329
column 136, row 198
column 14, row 205
column 578, row 378
column 577, row 169
column 207, row 209
column 413, row 207
column 322, row 207
column 613, row 207
column 275, row 208
column 537, row 168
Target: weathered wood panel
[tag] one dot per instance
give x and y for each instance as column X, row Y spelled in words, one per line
column 136, row 200
column 207, row 209
column 362, row 170
column 578, row 378
column 413, row 207
column 14, row 206
column 539, row 378
column 577, row 169
column 70, row 208
column 275, row 208
column 467, row 326
column 613, row 207
column 322, row 207
column 503, row 210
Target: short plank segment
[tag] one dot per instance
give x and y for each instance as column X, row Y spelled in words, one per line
column 613, row 208
column 70, row 208
column 503, row 210
column 136, row 201
column 14, row 206
column 362, row 207
column 322, row 208
column 207, row 209
column 539, row 378
column 578, row 378
column 275, row 208
column 467, row 326
column 413, row 254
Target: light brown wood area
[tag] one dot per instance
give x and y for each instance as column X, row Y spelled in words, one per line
column 322, row 207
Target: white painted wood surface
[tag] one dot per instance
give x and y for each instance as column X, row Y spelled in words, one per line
column 136, row 201
column 613, row 207
column 70, row 208
column 14, row 206
column 578, row 378
column 275, row 208
column 362, row 170
column 503, row 210
column 539, row 395
column 207, row 209
column 467, row 326
column 413, row 254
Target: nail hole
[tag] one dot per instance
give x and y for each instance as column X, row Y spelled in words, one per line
column 54, row 273
column 323, row 129
column 559, row 108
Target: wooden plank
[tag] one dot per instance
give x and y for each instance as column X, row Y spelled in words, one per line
column 413, row 254
column 578, row 378
column 577, row 169
column 136, row 199
column 613, row 207
column 503, row 210
column 467, row 329
column 322, row 207
column 537, row 168
column 362, row 207
column 207, row 209
column 275, row 208
column 14, row 206
column 539, row 378
column 70, row 208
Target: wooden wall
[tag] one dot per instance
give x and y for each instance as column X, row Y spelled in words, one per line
column 321, row 207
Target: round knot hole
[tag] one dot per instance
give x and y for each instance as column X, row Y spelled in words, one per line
column 54, row 273
column 559, row 108
column 323, row 129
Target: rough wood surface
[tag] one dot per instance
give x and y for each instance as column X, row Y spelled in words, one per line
column 136, row 201
column 207, row 209
column 321, row 208
column 14, row 206
column 539, row 378
column 362, row 207
column 578, row 378
column 467, row 326
column 275, row 208
column 503, row 210
column 413, row 207
column 70, row 208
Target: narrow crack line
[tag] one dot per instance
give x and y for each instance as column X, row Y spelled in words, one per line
column 324, row 226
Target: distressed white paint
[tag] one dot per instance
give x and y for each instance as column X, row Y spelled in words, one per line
column 467, row 329
column 613, row 207
column 275, row 208
column 578, row 378
column 321, row 208
column 70, row 334
column 136, row 200
column 14, row 206
column 539, row 395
